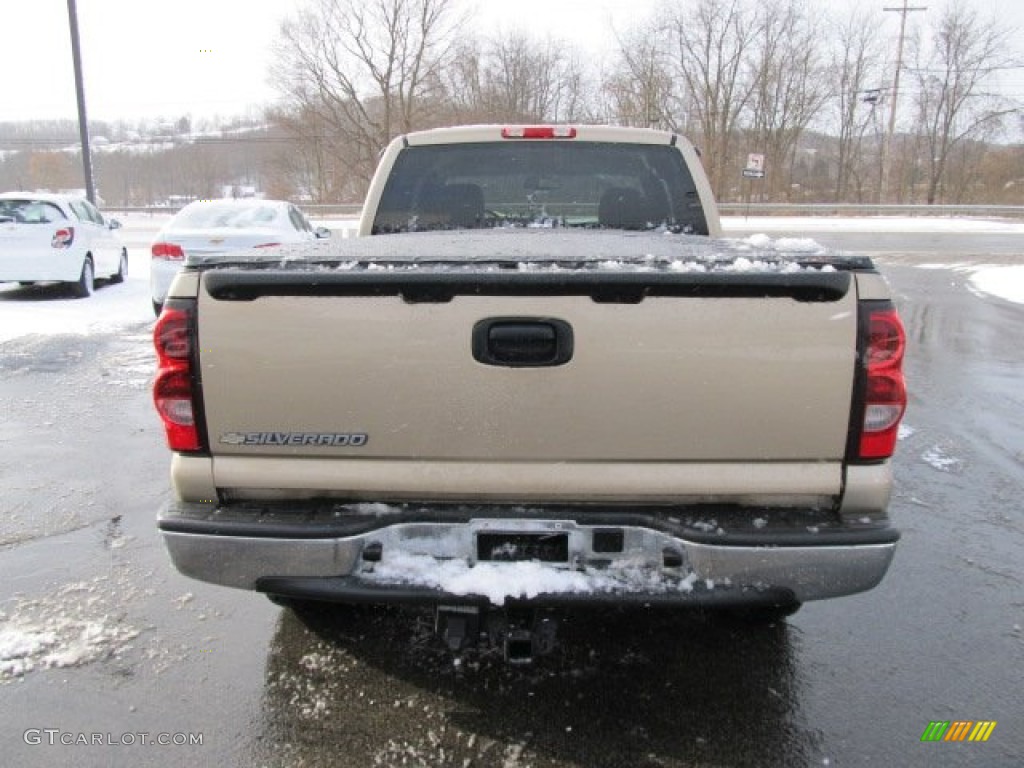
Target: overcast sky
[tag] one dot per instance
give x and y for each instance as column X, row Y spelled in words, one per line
column 168, row 58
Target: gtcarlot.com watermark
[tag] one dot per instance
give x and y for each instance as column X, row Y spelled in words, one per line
column 55, row 736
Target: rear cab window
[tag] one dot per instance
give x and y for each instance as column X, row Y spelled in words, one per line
column 540, row 184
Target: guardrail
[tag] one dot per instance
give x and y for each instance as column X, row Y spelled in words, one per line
column 351, row 210
column 857, row 209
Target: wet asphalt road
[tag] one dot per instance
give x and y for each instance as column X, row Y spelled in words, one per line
column 847, row 682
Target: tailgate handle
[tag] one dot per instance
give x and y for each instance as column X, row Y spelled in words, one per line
column 521, row 342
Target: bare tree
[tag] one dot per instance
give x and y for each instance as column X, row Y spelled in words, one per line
column 51, row 170
column 366, row 70
column 516, row 78
column 640, row 90
column 316, row 162
column 954, row 63
column 465, row 82
column 712, row 41
column 856, row 77
column 789, row 85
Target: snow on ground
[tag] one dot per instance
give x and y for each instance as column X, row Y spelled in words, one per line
column 927, row 224
column 76, row 624
column 1004, row 282
column 941, row 457
column 45, row 310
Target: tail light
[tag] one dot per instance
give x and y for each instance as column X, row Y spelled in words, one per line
column 175, row 389
column 266, row 245
column 167, row 251
column 63, row 237
column 538, row 132
column 885, row 392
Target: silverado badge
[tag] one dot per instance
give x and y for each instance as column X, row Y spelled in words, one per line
column 328, row 439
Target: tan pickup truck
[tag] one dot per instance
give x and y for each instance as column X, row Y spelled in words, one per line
column 541, row 379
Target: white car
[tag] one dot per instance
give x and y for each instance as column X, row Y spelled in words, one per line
column 46, row 237
column 216, row 226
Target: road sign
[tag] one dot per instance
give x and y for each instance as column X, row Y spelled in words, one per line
column 755, row 166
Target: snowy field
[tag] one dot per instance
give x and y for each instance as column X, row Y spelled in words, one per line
column 46, row 311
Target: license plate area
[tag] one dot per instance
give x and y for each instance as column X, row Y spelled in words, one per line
column 514, row 547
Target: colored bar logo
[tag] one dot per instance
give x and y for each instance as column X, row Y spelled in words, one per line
column 958, row 730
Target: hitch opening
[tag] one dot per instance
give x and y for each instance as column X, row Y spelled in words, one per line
column 521, row 634
column 529, row 635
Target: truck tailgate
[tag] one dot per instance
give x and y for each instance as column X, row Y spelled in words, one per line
column 689, row 371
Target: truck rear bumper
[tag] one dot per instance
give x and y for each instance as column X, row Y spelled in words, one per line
column 374, row 553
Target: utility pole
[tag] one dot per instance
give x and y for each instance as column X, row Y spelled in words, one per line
column 884, row 192
column 83, row 124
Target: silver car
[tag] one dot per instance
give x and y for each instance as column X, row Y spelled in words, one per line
column 216, row 226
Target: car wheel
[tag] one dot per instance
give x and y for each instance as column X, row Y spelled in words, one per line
column 158, row 307
column 86, row 281
column 122, row 269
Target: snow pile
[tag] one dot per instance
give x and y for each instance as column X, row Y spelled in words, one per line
column 498, row 581
column 58, row 643
column 763, row 242
column 70, row 628
column 19, row 645
column 1004, row 282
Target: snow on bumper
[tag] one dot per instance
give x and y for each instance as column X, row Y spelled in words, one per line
column 445, row 561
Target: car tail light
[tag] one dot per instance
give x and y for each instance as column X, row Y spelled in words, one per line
column 63, row 237
column 167, row 251
column 266, row 245
column 538, row 132
column 175, row 389
column 885, row 392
